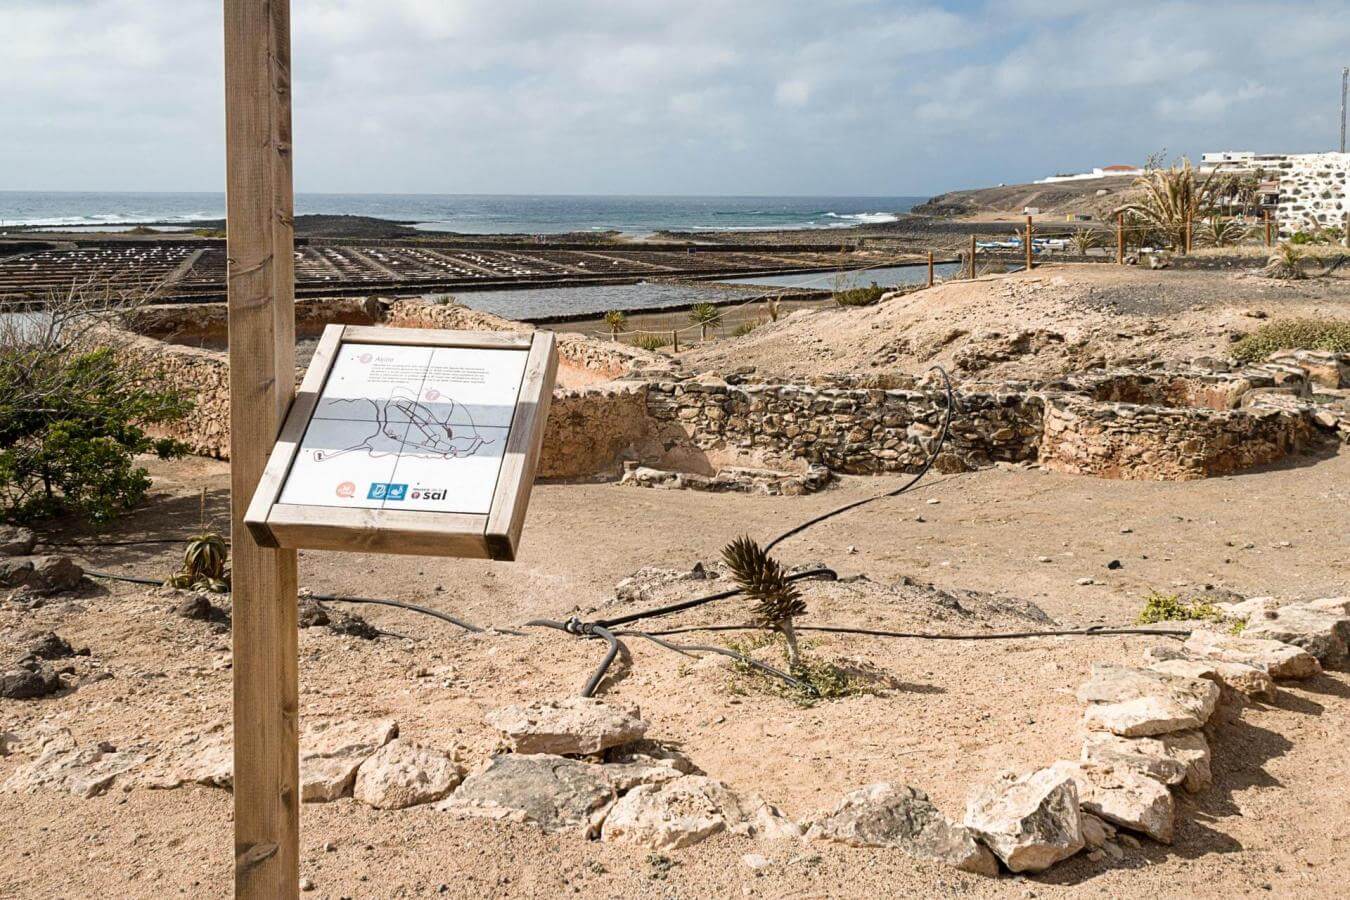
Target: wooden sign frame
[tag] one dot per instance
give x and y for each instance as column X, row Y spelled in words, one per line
column 494, row 535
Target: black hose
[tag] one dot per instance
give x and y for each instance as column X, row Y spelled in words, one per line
column 683, row 648
column 130, row 579
column 586, row 629
column 933, row 636
column 411, row 607
column 823, row 572
column 923, row 470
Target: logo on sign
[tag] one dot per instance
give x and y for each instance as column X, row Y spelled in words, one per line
column 381, row 490
column 421, row 493
column 346, row 489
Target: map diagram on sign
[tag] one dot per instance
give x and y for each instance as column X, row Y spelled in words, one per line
column 407, row 427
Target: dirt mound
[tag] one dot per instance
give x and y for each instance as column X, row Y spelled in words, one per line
column 1057, row 319
column 1070, row 197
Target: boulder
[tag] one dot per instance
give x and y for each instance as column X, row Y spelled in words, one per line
column 1134, row 702
column 1241, row 678
column 894, row 815
column 1339, row 606
column 1321, row 632
column 331, row 752
column 54, row 574
column 83, row 771
column 1252, row 606
column 16, row 540
column 402, row 774
column 1276, row 658
column 28, row 679
column 49, row 645
column 1122, row 797
column 1031, row 820
column 1095, row 831
column 553, row 792
column 1177, row 758
column 15, row 572
column 765, row 821
column 570, row 726
column 672, row 815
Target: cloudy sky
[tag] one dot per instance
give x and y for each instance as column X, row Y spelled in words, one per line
column 856, row 97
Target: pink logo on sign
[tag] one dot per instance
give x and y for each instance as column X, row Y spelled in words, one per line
column 346, row 489
column 365, row 358
column 432, row 395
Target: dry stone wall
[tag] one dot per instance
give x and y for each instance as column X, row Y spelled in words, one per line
column 1314, row 191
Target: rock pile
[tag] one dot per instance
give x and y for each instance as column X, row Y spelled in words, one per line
column 738, row 479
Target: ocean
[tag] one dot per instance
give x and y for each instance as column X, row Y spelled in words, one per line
column 469, row 213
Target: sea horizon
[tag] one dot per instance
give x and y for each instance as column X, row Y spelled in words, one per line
column 472, row 213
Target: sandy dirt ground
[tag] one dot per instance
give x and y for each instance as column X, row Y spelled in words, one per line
column 1071, row 317
column 948, row 716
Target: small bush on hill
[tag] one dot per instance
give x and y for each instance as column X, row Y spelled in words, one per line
column 1171, row 608
column 865, row 296
column 651, row 341
column 1331, row 335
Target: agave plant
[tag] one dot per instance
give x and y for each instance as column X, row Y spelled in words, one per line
column 1172, row 199
column 705, row 315
column 1286, row 263
column 205, row 564
column 616, row 320
column 777, row 601
column 1219, row 232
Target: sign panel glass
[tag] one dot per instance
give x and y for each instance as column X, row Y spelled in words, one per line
column 408, row 427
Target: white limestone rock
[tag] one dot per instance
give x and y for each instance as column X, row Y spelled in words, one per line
column 331, row 752
column 1030, row 820
column 672, row 815
column 553, row 792
column 1122, row 797
column 1135, row 702
column 1276, row 658
column 572, row 726
column 895, row 815
column 1178, row 758
column 62, row 765
column 1321, row 632
column 1246, row 680
column 402, row 774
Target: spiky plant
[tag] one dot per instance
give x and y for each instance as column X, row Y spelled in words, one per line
column 771, row 307
column 1172, row 199
column 1086, row 239
column 1219, row 232
column 205, row 564
column 777, row 601
column 616, row 320
column 1286, row 263
column 705, row 315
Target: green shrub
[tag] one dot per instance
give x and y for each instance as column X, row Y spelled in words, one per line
column 72, row 420
column 865, row 296
column 651, row 341
column 1331, row 335
column 1171, row 608
column 745, row 328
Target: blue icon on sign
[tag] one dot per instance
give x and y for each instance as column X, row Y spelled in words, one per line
column 380, row 490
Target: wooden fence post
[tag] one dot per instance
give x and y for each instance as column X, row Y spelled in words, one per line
column 1186, row 237
column 930, row 268
column 675, row 341
column 1120, row 239
column 261, row 289
column 972, row 256
column 1345, row 230
column 1267, row 218
column 1028, row 244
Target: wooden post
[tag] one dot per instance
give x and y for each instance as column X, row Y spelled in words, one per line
column 972, row 256
column 1028, row 244
column 1120, row 239
column 675, row 341
column 930, row 268
column 1266, row 214
column 260, row 278
column 1186, row 237
column 1345, row 232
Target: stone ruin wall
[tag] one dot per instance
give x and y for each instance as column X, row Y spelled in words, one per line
column 1157, row 425
column 1314, row 191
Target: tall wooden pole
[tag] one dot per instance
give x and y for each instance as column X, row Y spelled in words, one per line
column 1028, row 243
column 1267, row 218
column 1120, row 239
column 930, row 268
column 972, row 256
column 260, row 277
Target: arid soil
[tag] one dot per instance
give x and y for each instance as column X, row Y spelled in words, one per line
column 947, row 716
column 1056, row 319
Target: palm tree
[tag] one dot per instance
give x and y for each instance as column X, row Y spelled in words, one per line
column 704, row 315
column 617, row 320
column 1086, row 239
column 1219, row 232
column 1172, row 200
column 1286, row 263
column 777, row 600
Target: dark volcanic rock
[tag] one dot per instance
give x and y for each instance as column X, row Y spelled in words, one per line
column 29, row 679
column 50, row 645
column 16, row 541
